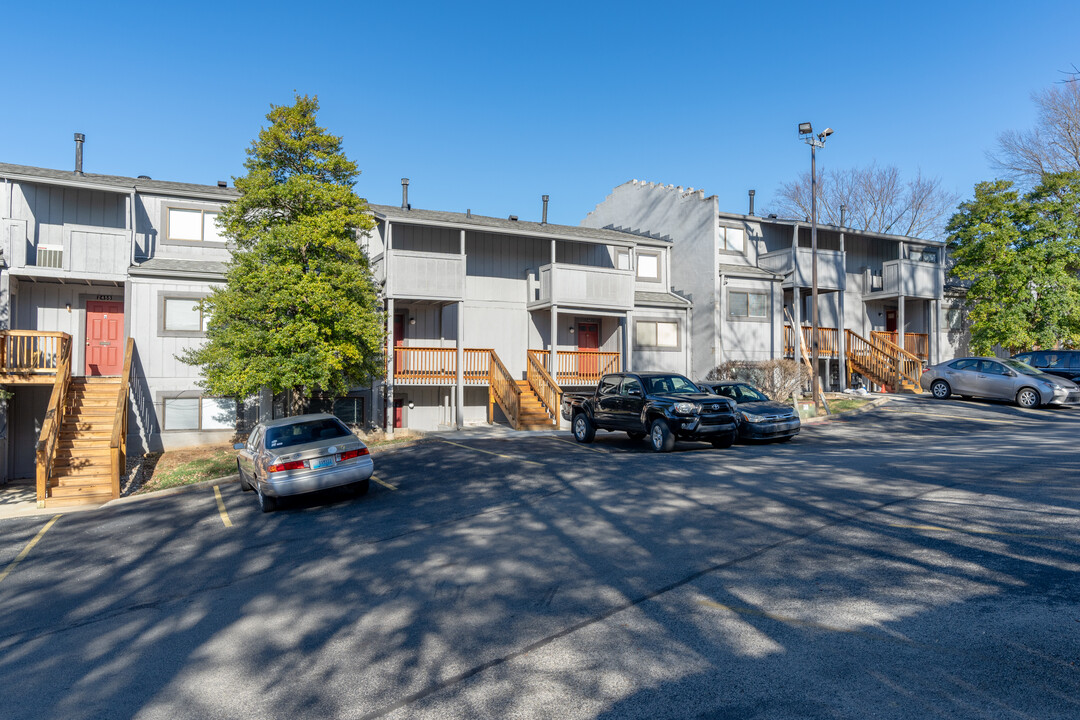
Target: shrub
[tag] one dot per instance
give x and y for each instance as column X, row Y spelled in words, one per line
column 779, row 379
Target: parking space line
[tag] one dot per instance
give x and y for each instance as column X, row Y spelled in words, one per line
column 939, row 528
column 26, row 550
column 950, row 417
column 582, row 447
column 221, row 507
column 488, row 452
column 386, row 485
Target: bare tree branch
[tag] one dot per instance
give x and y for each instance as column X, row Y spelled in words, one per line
column 1053, row 146
column 877, row 199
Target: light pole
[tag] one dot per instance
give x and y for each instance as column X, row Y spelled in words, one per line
column 806, row 132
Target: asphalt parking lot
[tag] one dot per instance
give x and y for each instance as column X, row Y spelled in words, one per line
column 918, row 560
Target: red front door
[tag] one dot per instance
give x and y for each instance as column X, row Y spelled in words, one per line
column 104, row 337
column 399, row 341
column 399, row 413
column 588, row 340
column 890, row 321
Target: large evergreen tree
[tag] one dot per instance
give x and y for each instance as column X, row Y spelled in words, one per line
column 299, row 310
column 1020, row 258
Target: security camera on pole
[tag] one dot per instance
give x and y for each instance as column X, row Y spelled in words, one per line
column 806, row 132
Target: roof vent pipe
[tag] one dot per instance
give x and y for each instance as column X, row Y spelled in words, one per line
column 752, row 193
column 405, row 194
column 544, row 220
column 79, row 140
column 843, row 211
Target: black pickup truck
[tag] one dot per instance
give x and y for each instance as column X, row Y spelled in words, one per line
column 661, row 405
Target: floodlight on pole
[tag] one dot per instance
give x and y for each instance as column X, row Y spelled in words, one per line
column 806, row 133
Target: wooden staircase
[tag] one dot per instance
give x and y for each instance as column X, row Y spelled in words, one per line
column 82, row 466
column 533, row 415
column 884, row 363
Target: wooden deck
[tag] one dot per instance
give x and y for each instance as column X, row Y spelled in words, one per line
column 31, row 357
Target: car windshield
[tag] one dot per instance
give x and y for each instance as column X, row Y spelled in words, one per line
column 305, row 432
column 669, row 384
column 741, row 393
column 1023, row 367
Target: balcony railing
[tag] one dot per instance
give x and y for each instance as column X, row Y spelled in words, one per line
column 80, row 249
column 423, row 275
column 580, row 367
column 918, row 344
column 912, row 278
column 828, row 342
column 801, row 267
column 438, row 365
column 32, row 355
column 582, row 286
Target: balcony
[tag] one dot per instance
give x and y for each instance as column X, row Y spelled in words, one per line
column 412, row 275
column 583, row 287
column 911, row 278
column 32, row 357
column 799, row 270
column 81, row 250
column 578, row 368
column 438, row 366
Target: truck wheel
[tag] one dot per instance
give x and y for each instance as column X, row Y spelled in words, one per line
column 661, row 437
column 584, row 430
column 724, row 442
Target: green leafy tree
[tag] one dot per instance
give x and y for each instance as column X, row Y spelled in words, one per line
column 1018, row 255
column 299, row 310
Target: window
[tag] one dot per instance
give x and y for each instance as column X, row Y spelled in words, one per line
column 349, row 409
column 182, row 315
column 750, row 305
column 622, row 259
column 965, row 364
column 648, row 266
column 656, row 334
column 188, row 225
column 609, row 385
column 630, row 386
column 198, row 413
column 732, row 240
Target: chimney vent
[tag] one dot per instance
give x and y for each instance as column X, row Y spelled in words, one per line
column 468, row 212
column 79, row 140
column 513, row 218
column 843, row 211
column 405, row 194
column 144, row 177
column 544, row 220
column 222, row 184
column 752, row 193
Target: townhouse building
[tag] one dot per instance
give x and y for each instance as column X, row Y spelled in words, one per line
column 490, row 319
column 880, row 296
column 98, row 290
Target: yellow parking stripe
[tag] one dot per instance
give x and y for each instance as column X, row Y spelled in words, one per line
column 221, row 507
column 26, row 550
column 582, row 447
column 488, row 452
column 943, row 416
column 386, row 485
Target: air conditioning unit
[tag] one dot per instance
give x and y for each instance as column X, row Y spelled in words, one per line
column 50, row 256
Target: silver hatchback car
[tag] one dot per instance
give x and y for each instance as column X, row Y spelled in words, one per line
column 302, row 454
column 1001, row 379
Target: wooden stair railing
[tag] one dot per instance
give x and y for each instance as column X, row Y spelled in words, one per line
column 45, row 453
column 545, row 387
column 883, row 362
column 504, row 390
column 118, row 443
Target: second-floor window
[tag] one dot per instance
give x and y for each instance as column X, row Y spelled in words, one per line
column 748, row 305
column 648, row 266
column 188, row 225
column 732, row 240
column 622, row 259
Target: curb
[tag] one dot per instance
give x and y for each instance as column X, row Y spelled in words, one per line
column 872, row 405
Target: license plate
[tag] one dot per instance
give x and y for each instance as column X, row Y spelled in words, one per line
column 321, row 463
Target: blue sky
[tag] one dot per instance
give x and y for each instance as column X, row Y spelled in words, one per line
column 488, row 106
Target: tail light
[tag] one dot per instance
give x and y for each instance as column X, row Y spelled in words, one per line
column 294, row 465
column 352, row 454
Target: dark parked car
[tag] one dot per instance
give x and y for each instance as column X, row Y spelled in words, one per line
column 661, row 405
column 302, row 454
column 1002, row 379
column 759, row 417
column 1063, row 363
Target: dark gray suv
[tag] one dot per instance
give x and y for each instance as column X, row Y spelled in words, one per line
column 1063, row 363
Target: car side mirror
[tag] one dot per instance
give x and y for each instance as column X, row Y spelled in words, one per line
column 239, row 446
column 1010, row 373
column 634, row 392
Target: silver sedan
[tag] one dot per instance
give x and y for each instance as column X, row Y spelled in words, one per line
column 1000, row 379
column 302, row 454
